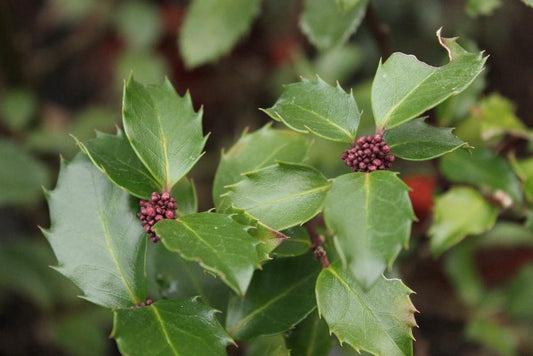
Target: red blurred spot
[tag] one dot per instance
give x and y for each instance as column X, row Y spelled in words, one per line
column 421, row 194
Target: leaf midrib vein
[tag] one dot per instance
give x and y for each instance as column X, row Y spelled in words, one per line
column 164, row 330
column 288, row 197
column 342, row 129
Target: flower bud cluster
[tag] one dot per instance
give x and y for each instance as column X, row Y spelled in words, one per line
column 159, row 207
column 368, row 154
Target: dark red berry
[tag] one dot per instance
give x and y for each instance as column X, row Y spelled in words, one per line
column 159, row 207
column 368, row 154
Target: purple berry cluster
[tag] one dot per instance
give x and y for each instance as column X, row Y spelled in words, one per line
column 159, row 207
column 368, row 154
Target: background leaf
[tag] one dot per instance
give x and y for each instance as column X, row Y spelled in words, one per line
column 378, row 321
column 170, row 327
column 267, row 346
column 185, row 194
column 315, row 106
column 297, row 244
column 404, row 87
column 370, row 216
column 310, row 337
column 457, row 213
column 417, row 141
column 17, row 108
column 475, row 8
column 217, row 242
column 329, row 23
column 103, row 252
column 212, row 28
column 281, row 196
column 163, row 130
column 279, row 297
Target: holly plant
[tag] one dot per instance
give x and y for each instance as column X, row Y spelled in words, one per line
column 287, row 255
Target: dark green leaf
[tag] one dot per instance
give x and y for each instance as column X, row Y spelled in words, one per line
column 257, row 150
column 281, row 196
column 217, row 242
column 457, row 213
column 329, row 23
column 279, row 297
column 297, row 244
column 311, row 337
column 417, row 141
column 185, row 194
column 114, row 156
column 519, row 294
column 370, row 215
column 96, row 237
column 378, row 321
column 404, row 87
column 213, row 27
column 267, row 346
column 163, row 130
column 316, row 107
column 483, row 168
column 170, row 327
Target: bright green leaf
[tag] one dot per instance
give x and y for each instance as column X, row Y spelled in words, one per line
column 267, row 346
column 457, row 213
column 212, row 27
column 17, row 108
column 310, row 337
column 96, row 237
column 327, row 24
column 497, row 116
column 316, row 107
column 378, row 321
column 483, row 168
column 257, row 150
column 282, row 195
column 417, row 141
column 185, row 194
column 170, row 327
column 279, row 297
column 370, row 216
column 404, row 87
column 475, row 8
column 218, row 243
column 297, row 244
column 522, row 167
column 163, row 129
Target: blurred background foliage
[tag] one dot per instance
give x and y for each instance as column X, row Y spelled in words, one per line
column 63, row 63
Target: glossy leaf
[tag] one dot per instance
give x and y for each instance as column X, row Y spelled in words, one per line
column 279, row 297
column 310, row 337
column 378, row 321
column 170, row 327
column 316, row 107
column 282, row 195
column 256, row 150
column 267, row 346
column 217, row 242
column 418, row 141
column 185, row 194
column 297, row 244
column 370, row 216
column 96, row 237
column 113, row 155
column 329, row 23
column 483, row 168
column 404, row 87
column 457, row 213
column 163, row 130
column 211, row 28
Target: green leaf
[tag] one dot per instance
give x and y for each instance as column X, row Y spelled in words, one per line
column 378, row 321
column 483, row 168
column 185, row 194
column 149, row 67
column 267, row 346
column 496, row 337
column 257, row 150
column 163, row 130
column 297, row 244
column 138, row 23
column 457, row 213
column 279, row 297
column 17, row 108
column 475, row 8
column 528, row 2
column 326, row 24
column 316, row 107
column 417, row 141
column 96, row 237
column 522, row 167
column 281, row 196
column 170, row 327
column 211, row 28
column 310, row 337
column 221, row 245
column 370, row 216
column 22, row 176
column 113, row 155
column 519, row 293
column 507, row 235
column 404, row 87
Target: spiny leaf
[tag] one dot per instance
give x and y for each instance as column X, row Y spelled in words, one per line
column 217, row 242
column 316, row 107
column 404, row 87
column 96, row 237
column 170, row 327
column 163, row 129
column 370, row 215
column 378, row 321
column 297, row 244
column 282, row 195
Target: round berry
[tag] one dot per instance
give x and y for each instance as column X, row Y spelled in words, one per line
column 368, row 154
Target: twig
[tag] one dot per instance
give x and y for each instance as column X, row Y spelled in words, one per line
column 316, row 243
column 380, row 32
